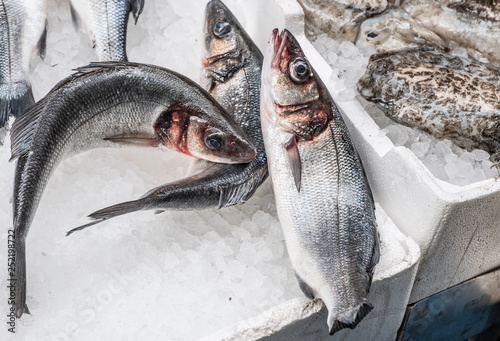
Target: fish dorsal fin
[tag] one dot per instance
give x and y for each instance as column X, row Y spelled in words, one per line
column 41, row 46
column 100, row 66
column 136, row 7
column 292, row 152
column 75, row 17
column 239, row 193
column 23, row 130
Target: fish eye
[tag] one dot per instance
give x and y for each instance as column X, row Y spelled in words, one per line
column 299, row 70
column 213, row 139
column 371, row 34
column 221, row 28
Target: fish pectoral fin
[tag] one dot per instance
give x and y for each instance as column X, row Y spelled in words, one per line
column 136, row 7
column 41, row 46
column 135, row 140
column 306, row 289
column 292, row 152
column 75, row 17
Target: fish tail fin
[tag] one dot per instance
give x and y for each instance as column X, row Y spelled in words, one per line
column 20, row 279
column 15, row 101
column 111, row 212
column 348, row 318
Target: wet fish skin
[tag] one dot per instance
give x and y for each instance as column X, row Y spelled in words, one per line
column 340, row 19
column 396, row 29
column 22, row 32
column 109, row 105
column 473, row 24
column 106, row 24
column 231, row 73
column 448, row 97
column 322, row 196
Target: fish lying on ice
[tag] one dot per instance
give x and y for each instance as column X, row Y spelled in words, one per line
column 231, row 73
column 324, row 203
column 473, row 24
column 106, row 105
column 448, row 97
column 106, row 24
column 396, row 29
column 340, row 19
column 23, row 30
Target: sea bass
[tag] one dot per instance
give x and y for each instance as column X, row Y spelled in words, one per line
column 23, row 30
column 107, row 105
column 231, row 73
column 106, row 24
column 396, row 29
column 448, row 97
column 324, row 203
column 473, row 24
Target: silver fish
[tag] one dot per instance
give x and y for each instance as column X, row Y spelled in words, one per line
column 23, row 30
column 340, row 19
column 323, row 199
column 473, row 24
column 448, row 97
column 396, row 29
column 107, row 105
column 232, row 67
column 106, row 24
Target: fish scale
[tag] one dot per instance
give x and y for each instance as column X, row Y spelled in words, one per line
column 109, row 105
column 322, row 196
column 106, row 23
column 22, row 28
column 232, row 68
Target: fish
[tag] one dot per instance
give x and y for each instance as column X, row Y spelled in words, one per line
column 446, row 96
column 23, row 31
column 323, row 199
column 112, row 104
column 340, row 19
column 472, row 24
column 395, row 29
column 231, row 73
column 105, row 21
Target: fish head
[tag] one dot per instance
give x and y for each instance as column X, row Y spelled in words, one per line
column 187, row 130
column 291, row 89
column 385, row 81
column 393, row 30
column 224, row 43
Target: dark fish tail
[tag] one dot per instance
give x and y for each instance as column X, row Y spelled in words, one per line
column 348, row 318
column 15, row 102
column 111, row 212
column 20, row 277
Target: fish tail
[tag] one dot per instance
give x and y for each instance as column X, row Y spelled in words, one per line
column 111, row 212
column 348, row 318
column 19, row 280
column 16, row 101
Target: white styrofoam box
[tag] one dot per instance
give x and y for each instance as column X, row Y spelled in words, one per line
column 303, row 319
column 457, row 228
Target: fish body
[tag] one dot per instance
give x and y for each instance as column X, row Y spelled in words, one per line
column 323, row 200
column 340, row 19
column 106, row 24
column 231, row 73
column 448, row 97
column 473, row 24
column 22, row 32
column 396, row 29
column 106, row 105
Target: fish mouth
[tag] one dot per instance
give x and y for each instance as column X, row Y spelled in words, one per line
column 278, row 44
column 291, row 108
column 207, row 61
